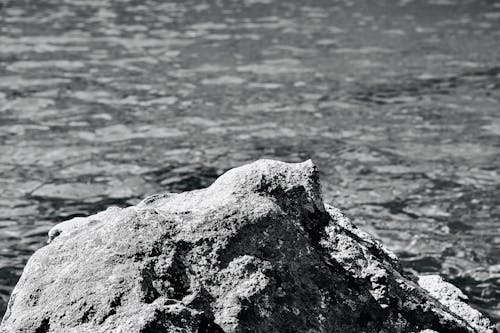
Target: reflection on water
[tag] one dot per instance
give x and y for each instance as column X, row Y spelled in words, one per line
column 105, row 102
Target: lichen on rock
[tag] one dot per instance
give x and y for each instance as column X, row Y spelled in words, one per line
column 257, row 251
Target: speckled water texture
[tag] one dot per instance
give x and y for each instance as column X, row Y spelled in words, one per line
column 105, row 102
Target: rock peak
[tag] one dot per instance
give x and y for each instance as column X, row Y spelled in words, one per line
column 257, row 251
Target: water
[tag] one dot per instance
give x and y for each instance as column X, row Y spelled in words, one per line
column 105, row 102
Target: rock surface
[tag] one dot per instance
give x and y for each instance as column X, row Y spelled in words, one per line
column 257, row 251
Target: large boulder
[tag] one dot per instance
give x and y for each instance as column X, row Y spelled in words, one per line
column 257, row 251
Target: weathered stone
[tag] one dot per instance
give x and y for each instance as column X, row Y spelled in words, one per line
column 454, row 299
column 257, row 251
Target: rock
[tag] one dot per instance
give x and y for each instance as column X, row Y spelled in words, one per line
column 453, row 298
column 257, row 251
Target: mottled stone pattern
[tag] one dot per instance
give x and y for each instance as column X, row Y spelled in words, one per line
column 256, row 252
column 103, row 102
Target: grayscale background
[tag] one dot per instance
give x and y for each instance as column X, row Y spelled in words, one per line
column 103, row 102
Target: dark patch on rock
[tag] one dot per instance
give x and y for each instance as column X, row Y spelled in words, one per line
column 44, row 326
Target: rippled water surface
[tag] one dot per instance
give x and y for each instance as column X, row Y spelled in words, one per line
column 105, row 102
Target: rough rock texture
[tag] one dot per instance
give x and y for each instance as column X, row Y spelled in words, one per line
column 453, row 298
column 257, row 251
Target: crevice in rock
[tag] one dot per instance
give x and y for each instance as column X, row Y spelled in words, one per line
column 146, row 285
column 113, row 305
column 372, row 248
column 298, row 204
column 176, row 275
column 314, row 223
column 162, row 278
column 44, row 326
column 184, row 319
column 207, row 325
column 87, row 314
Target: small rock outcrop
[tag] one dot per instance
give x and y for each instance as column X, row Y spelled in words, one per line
column 257, row 251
